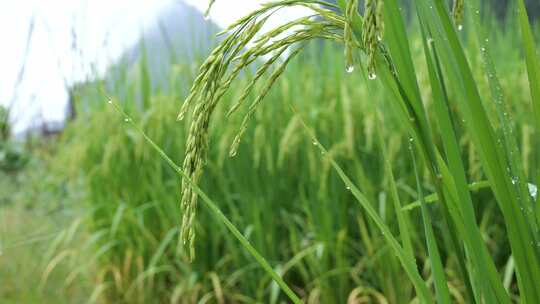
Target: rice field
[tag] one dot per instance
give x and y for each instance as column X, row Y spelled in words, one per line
column 366, row 156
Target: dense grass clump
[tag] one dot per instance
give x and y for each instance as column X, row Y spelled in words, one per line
column 410, row 177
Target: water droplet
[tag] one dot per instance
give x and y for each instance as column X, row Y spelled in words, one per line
column 533, row 190
column 483, row 49
column 314, row 143
column 127, row 119
column 379, row 38
column 372, row 76
column 411, row 139
column 109, row 101
column 514, row 180
column 349, row 68
column 430, row 40
column 460, row 27
column 348, row 188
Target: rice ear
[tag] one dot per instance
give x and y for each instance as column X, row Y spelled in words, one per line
column 372, row 32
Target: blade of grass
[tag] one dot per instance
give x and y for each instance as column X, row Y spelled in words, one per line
column 508, row 138
column 473, row 238
column 533, row 73
column 437, row 268
column 434, row 14
column 403, row 219
column 405, row 74
column 432, row 198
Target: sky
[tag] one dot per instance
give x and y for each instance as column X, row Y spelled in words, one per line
column 73, row 39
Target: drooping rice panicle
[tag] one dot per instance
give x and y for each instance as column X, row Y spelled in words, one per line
column 236, row 52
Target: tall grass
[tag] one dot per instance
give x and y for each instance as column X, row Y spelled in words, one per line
column 318, row 191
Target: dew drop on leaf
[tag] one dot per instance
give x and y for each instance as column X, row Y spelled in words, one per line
column 533, row 190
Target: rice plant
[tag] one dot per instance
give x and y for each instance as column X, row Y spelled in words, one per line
column 384, row 42
column 385, row 166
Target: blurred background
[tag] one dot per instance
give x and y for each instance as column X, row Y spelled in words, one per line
column 54, row 46
column 89, row 212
